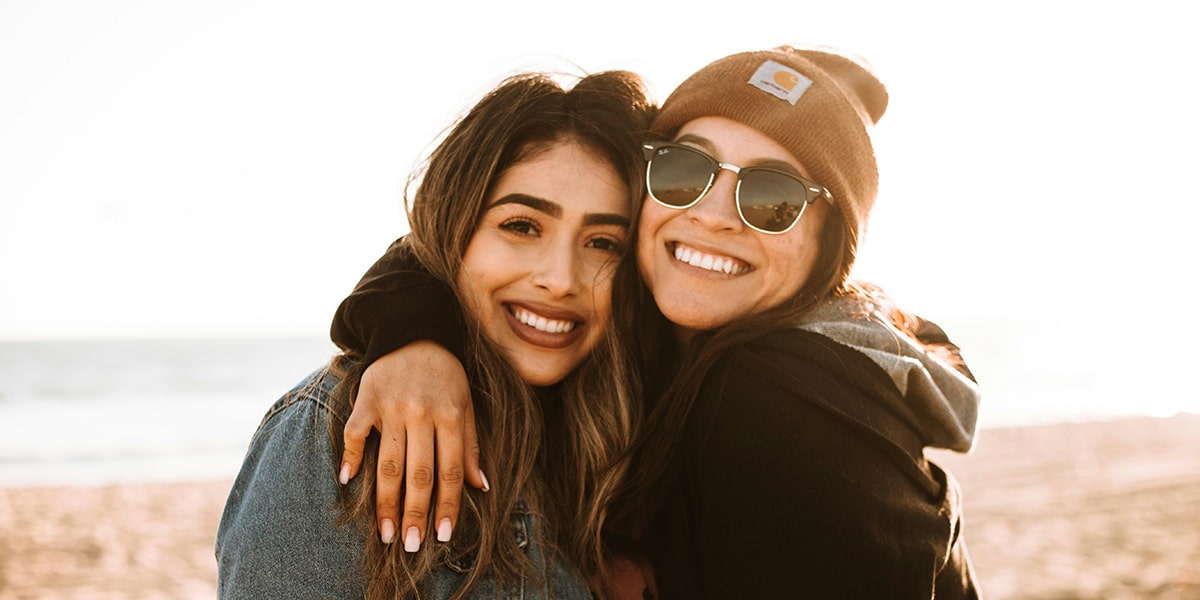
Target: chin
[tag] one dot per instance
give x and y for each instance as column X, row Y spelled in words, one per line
column 690, row 316
column 542, row 377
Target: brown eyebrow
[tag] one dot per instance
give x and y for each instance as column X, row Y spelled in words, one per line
column 605, row 219
column 538, row 204
column 555, row 210
column 708, row 147
column 692, row 138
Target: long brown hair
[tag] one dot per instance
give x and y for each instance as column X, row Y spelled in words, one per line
column 562, row 461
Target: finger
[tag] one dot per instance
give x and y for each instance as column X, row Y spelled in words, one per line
column 389, row 473
column 354, row 439
column 418, row 484
column 472, row 468
column 450, row 481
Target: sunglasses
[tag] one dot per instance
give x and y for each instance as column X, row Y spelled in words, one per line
column 768, row 200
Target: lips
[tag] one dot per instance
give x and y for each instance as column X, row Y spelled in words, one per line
column 709, row 262
column 541, row 323
column 544, row 326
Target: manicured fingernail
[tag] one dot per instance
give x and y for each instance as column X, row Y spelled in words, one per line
column 444, row 530
column 387, row 531
column 344, row 475
column 412, row 540
column 486, row 485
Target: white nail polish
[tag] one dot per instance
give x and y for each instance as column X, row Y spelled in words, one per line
column 444, row 530
column 412, row 540
column 344, row 475
column 486, row 485
column 387, row 531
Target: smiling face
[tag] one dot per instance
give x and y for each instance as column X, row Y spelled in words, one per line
column 537, row 273
column 704, row 266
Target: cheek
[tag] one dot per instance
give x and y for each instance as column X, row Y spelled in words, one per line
column 602, row 299
column 652, row 216
column 473, row 280
column 468, row 289
column 649, row 220
column 599, row 293
column 795, row 270
column 601, row 318
column 794, row 258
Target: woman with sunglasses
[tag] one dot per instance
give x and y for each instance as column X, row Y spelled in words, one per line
column 791, row 404
column 521, row 216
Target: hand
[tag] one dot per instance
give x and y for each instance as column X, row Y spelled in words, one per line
column 419, row 400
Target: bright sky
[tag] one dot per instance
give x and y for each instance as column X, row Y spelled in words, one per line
column 232, row 167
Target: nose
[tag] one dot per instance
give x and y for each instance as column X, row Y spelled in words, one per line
column 559, row 271
column 717, row 210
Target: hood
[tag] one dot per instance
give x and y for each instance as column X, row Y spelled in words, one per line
column 944, row 398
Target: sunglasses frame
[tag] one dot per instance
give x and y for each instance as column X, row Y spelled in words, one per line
column 812, row 189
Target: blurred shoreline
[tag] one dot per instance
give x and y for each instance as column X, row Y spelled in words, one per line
column 1104, row 509
column 100, row 412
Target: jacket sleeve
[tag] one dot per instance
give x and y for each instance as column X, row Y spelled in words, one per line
column 931, row 334
column 395, row 303
column 280, row 535
column 796, row 490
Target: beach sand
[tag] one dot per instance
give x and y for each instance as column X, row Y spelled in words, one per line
column 1096, row 510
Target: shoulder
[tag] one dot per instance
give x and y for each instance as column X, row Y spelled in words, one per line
column 295, row 435
column 790, row 354
column 782, row 383
column 794, row 371
column 793, row 429
column 800, row 401
column 284, row 504
column 310, row 400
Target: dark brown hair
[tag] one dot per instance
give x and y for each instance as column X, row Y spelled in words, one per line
column 566, row 465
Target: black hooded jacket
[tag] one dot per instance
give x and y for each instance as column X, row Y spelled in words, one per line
column 801, row 466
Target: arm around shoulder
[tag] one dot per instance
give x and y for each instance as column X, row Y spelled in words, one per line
column 397, row 302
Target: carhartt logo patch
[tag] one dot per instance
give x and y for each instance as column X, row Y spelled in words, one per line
column 780, row 81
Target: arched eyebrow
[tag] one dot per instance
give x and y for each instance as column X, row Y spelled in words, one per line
column 695, row 140
column 555, row 210
column 538, row 204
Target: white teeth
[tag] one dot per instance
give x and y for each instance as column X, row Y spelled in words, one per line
column 541, row 323
column 709, row 262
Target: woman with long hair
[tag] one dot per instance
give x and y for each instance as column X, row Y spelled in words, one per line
column 790, row 405
column 520, row 216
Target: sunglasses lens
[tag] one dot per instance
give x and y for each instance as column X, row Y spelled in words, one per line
column 678, row 176
column 770, row 201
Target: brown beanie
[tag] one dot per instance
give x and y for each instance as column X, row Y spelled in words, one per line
column 817, row 103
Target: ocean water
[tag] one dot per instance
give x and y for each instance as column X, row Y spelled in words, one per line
column 97, row 412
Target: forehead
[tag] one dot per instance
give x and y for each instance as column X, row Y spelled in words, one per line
column 731, row 141
column 569, row 174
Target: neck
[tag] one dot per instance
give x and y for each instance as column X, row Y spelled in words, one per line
column 683, row 336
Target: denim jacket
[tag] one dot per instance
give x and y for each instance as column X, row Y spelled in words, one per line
column 279, row 535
